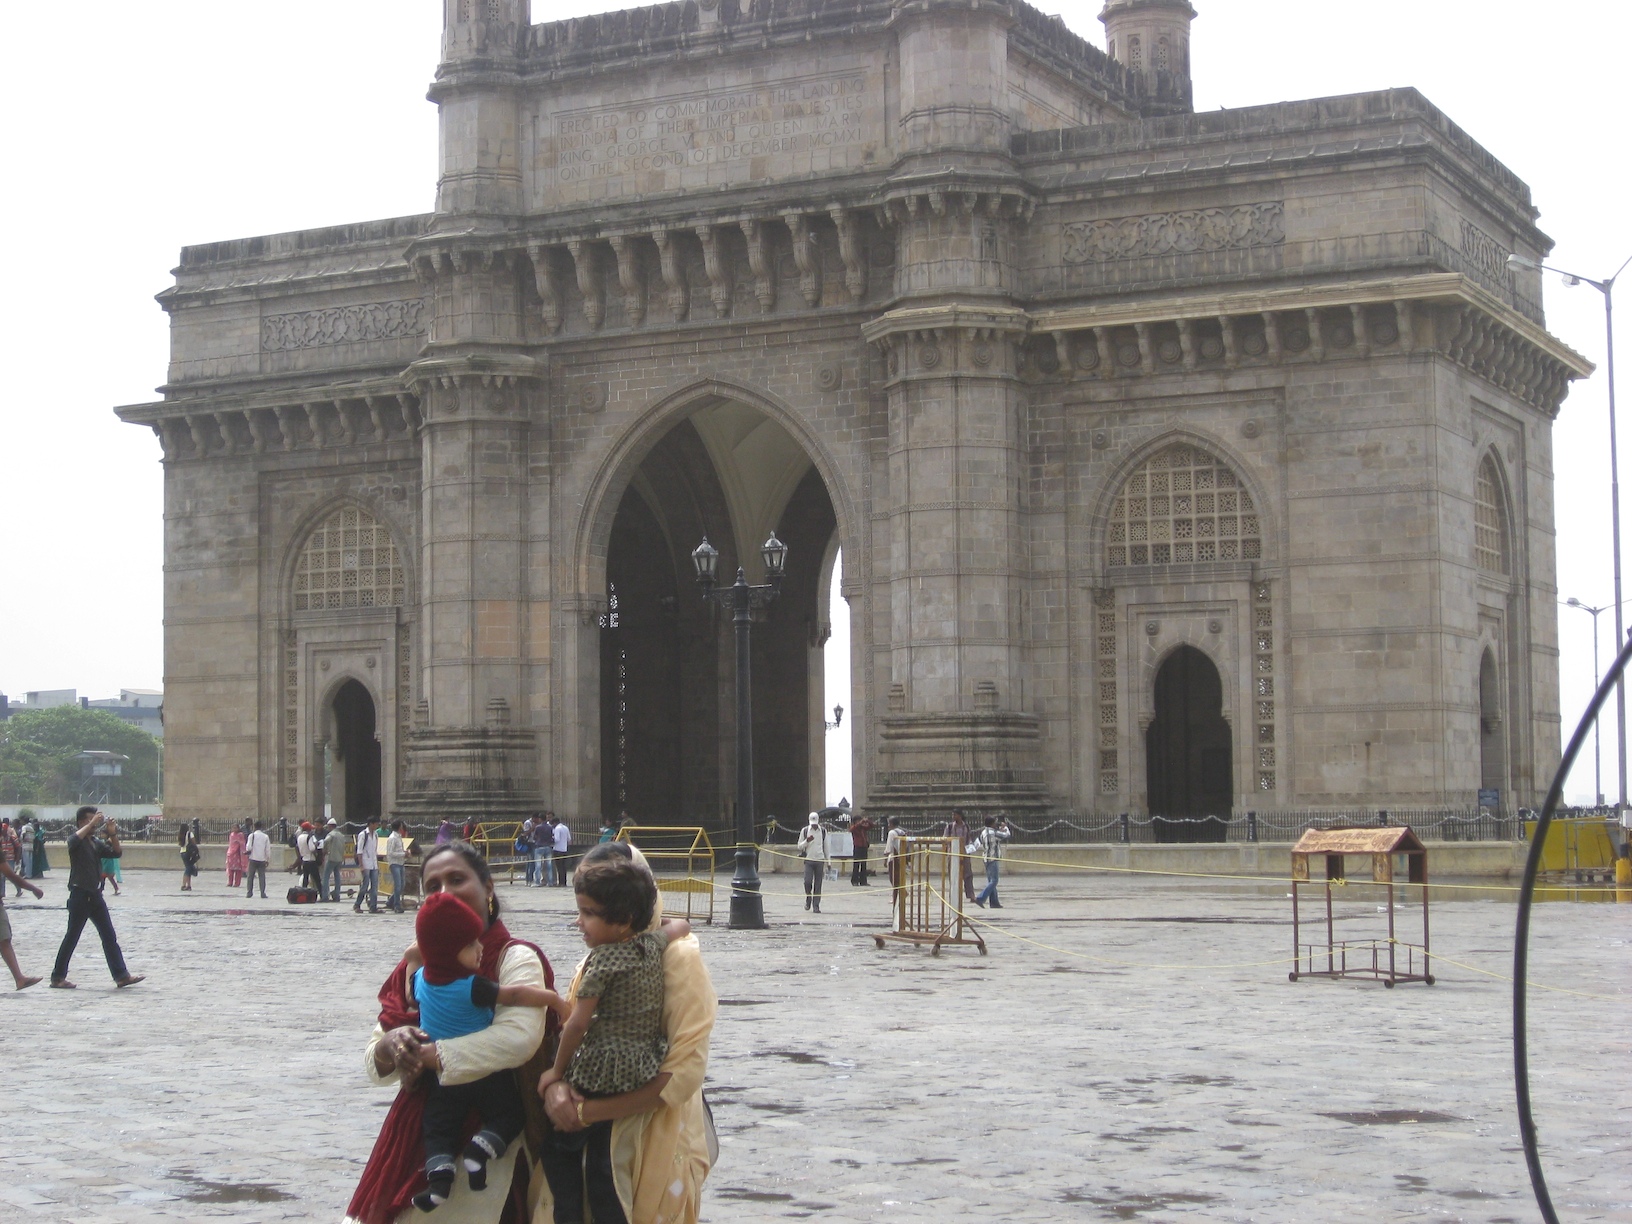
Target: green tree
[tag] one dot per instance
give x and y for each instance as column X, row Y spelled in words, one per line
column 38, row 747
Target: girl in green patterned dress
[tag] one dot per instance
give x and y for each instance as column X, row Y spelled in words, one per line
column 613, row 1041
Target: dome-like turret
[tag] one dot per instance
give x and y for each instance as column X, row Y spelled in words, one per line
column 1151, row 37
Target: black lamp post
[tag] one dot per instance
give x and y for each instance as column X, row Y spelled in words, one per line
column 747, row 906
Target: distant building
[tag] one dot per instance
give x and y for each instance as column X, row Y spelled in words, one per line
column 143, row 708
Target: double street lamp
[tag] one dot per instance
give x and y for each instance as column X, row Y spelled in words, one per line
column 1606, row 287
column 747, row 906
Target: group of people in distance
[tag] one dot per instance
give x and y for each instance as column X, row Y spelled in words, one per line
column 820, row 842
column 517, row 1101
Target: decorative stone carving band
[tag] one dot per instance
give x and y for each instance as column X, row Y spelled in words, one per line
column 1175, row 233
column 361, row 324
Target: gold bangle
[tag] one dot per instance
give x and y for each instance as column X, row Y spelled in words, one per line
column 581, row 1121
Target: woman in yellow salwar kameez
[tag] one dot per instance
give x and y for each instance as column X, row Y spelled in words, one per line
column 663, row 1141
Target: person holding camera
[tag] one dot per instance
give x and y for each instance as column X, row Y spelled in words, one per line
column 86, row 850
column 812, row 846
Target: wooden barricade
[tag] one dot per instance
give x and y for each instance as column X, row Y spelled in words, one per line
column 927, row 881
column 682, row 862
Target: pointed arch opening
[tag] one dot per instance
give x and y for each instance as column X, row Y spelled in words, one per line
column 668, row 714
column 353, row 784
column 1189, row 775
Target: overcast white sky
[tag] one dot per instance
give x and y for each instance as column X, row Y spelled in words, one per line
column 138, row 128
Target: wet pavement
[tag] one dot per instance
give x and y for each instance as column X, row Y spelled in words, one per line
column 1130, row 1049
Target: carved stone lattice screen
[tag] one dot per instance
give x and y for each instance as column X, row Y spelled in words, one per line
column 350, row 561
column 1183, row 506
column 1489, row 521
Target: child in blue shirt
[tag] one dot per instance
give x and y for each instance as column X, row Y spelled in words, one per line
column 454, row 1001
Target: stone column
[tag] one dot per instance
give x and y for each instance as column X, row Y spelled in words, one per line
column 477, row 754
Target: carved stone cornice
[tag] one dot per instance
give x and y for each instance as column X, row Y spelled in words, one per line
column 466, row 386
column 1445, row 313
column 948, row 341
column 305, row 418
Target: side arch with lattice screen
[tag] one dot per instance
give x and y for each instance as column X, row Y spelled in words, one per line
column 1491, row 536
column 349, row 561
column 1183, row 506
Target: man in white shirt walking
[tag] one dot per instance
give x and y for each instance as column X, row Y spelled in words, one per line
column 813, row 849
column 368, row 864
column 259, row 849
column 563, row 842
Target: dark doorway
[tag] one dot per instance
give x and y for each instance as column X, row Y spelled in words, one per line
column 355, row 783
column 1187, row 751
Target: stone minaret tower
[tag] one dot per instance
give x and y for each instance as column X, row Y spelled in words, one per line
column 1152, row 38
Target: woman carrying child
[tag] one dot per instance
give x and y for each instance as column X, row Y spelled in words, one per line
column 400, row 1050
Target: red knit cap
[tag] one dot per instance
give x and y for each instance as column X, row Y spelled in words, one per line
column 445, row 927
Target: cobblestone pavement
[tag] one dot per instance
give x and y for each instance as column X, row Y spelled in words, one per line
column 1145, row 1059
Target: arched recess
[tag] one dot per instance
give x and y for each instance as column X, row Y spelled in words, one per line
column 1188, row 750
column 664, row 705
column 347, row 587
column 355, row 783
column 1502, row 695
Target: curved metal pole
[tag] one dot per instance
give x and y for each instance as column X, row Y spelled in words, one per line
column 1521, row 936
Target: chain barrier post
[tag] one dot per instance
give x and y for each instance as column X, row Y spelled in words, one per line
column 1252, row 826
column 1122, row 823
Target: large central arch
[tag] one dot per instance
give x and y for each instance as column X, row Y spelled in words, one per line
column 665, row 723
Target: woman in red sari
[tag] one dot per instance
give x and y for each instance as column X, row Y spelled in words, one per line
column 399, row 1052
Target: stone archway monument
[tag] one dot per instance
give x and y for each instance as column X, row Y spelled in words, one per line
column 941, row 283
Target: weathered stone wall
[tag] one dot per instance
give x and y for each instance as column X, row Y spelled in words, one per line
column 939, row 247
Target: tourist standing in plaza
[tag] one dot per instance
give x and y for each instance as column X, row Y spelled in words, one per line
column 22, row 980
column 812, row 847
column 258, row 848
column 399, row 1050
column 86, row 850
column 563, row 843
column 893, row 837
column 11, row 850
column 111, row 874
column 237, row 860
column 861, row 836
column 543, row 841
column 190, row 854
column 368, row 863
column 308, row 844
column 334, row 861
column 396, row 858
column 25, row 835
column 661, row 1133
column 41, row 864
column 958, row 830
column 992, row 837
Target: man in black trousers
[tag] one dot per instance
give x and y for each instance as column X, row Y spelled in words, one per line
column 85, row 854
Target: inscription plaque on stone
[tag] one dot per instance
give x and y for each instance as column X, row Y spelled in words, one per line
column 817, row 122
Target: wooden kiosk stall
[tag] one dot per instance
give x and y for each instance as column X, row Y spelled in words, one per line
column 1374, row 958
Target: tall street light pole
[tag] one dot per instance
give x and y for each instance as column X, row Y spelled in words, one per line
column 1597, row 737
column 1607, row 288
column 747, row 905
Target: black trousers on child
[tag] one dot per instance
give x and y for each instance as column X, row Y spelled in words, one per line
column 580, row 1163
column 496, row 1100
